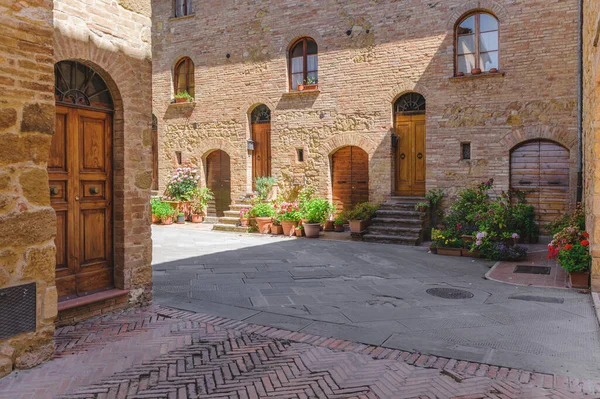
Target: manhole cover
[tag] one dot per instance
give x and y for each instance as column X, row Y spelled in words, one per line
column 532, row 269
column 450, row 293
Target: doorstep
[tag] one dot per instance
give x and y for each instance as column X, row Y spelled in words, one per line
column 91, row 299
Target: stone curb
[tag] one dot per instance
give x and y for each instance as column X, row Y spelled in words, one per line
column 596, row 303
column 458, row 367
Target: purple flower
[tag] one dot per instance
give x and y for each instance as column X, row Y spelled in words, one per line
column 478, row 242
column 515, row 236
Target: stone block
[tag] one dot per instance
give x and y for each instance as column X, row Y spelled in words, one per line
column 34, row 183
column 38, row 117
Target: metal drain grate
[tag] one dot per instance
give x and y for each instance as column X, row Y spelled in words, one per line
column 545, row 270
column 17, row 310
column 450, row 293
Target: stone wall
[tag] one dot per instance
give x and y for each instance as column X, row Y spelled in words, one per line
column 591, row 130
column 113, row 37
column 27, row 222
column 370, row 52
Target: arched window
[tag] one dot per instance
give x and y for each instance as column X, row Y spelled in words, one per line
column 183, row 8
column 304, row 63
column 184, row 76
column 477, row 43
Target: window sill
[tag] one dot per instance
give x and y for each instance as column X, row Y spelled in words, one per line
column 302, row 92
column 482, row 75
column 183, row 17
column 184, row 104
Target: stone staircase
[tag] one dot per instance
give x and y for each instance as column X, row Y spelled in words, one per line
column 231, row 219
column 397, row 222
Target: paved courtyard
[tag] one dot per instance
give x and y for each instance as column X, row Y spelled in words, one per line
column 377, row 295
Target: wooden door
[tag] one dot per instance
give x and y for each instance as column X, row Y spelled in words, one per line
column 410, row 155
column 218, row 179
column 541, row 169
column 261, row 156
column 350, row 177
column 80, row 174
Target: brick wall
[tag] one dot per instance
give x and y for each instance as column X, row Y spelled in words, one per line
column 394, row 47
column 27, row 222
column 591, row 130
column 113, row 37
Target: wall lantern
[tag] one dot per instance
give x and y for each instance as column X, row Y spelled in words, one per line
column 394, row 141
column 250, row 145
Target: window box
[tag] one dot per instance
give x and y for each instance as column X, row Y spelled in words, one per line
column 312, row 87
column 181, row 100
column 482, row 75
column 186, row 103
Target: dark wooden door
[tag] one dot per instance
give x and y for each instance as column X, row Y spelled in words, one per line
column 410, row 155
column 218, row 179
column 541, row 169
column 350, row 177
column 261, row 156
column 80, row 174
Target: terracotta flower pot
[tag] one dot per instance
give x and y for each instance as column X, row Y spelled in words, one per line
column 475, row 71
column 276, row 230
column 244, row 222
column 579, row 279
column 338, row 228
column 197, row 218
column 433, row 249
column 460, row 74
column 449, row 251
column 264, row 224
column 288, row 227
column 312, row 230
column 167, row 221
column 328, row 225
column 155, row 219
column 307, row 87
column 181, row 100
column 358, row 226
column 494, row 70
column 299, row 232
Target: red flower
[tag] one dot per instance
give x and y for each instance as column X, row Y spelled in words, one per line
column 568, row 246
column 585, row 243
column 586, row 235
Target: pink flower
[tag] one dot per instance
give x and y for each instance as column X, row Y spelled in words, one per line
column 478, row 242
column 179, row 180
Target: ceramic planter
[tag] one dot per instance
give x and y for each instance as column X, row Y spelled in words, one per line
column 299, row 232
column 308, row 87
column 180, row 219
column 167, row 221
column 579, row 279
column 466, row 252
column 328, row 225
column 311, row 230
column 244, row 222
column 338, row 228
column 264, row 224
column 288, row 227
column 276, row 230
column 358, row 226
column 197, row 218
column 449, row 251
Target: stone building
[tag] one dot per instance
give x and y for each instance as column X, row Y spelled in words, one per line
column 75, row 167
column 398, row 108
column 591, row 130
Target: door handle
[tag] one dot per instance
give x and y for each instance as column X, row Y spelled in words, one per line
column 77, row 198
column 53, row 191
column 420, row 156
column 94, row 190
column 525, row 182
column 402, row 156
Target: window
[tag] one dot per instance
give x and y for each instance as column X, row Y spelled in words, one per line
column 178, row 157
column 300, row 154
column 304, row 63
column 184, row 76
column 477, row 43
column 465, row 149
column 183, row 8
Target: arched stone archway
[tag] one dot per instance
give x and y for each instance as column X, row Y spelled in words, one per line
column 218, row 179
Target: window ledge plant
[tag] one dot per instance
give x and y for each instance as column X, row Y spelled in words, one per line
column 183, row 97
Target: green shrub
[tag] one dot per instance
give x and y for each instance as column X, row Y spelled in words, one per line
column 155, row 203
column 316, row 210
column 262, row 210
column 574, row 218
column 576, row 258
column 164, row 211
column 184, row 94
column 264, row 185
column 199, row 199
column 362, row 211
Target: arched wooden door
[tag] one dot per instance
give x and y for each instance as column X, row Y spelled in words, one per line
column 218, row 179
column 261, row 135
column 410, row 139
column 541, row 169
column 80, row 177
column 350, row 177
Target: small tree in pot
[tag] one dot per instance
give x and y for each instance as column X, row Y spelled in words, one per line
column 315, row 211
column 198, row 202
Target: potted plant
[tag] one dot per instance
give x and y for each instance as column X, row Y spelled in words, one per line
column 434, row 196
column 180, row 218
column 475, row 71
column 264, row 216
column 338, row 223
column 309, row 84
column 264, row 187
column 360, row 216
column 571, row 248
column 422, row 206
column 244, row 217
column 155, row 204
column 198, row 202
column 315, row 211
column 448, row 244
column 180, row 189
column 183, row 97
column 299, row 231
column 276, row 228
column 288, row 214
column 165, row 213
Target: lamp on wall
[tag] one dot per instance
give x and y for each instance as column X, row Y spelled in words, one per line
column 394, row 141
column 250, row 145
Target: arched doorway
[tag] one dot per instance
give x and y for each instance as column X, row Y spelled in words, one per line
column 540, row 168
column 261, row 135
column 350, row 177
column 218, row 179
column 409, row 140
column 80, row 174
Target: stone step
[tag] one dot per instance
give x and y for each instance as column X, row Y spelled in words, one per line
column 232, row 214
column 390, row 239
column 211, row 219
column 229, row 227
column 237, row 207
column 229, row 221
column 397, row 221
column 397, row 214
column 395, row 230
column 396, row 206
column 396, row 198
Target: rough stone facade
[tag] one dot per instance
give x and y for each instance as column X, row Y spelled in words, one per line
column 113, row 37
column 370, row 53
column 591, row 130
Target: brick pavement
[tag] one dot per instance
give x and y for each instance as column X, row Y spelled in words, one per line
column 159, row 352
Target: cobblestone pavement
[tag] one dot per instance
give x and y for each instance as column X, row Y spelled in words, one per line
column 377, row 294
column 159, row 352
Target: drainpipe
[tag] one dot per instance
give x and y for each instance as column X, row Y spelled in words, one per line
column 580, row 105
